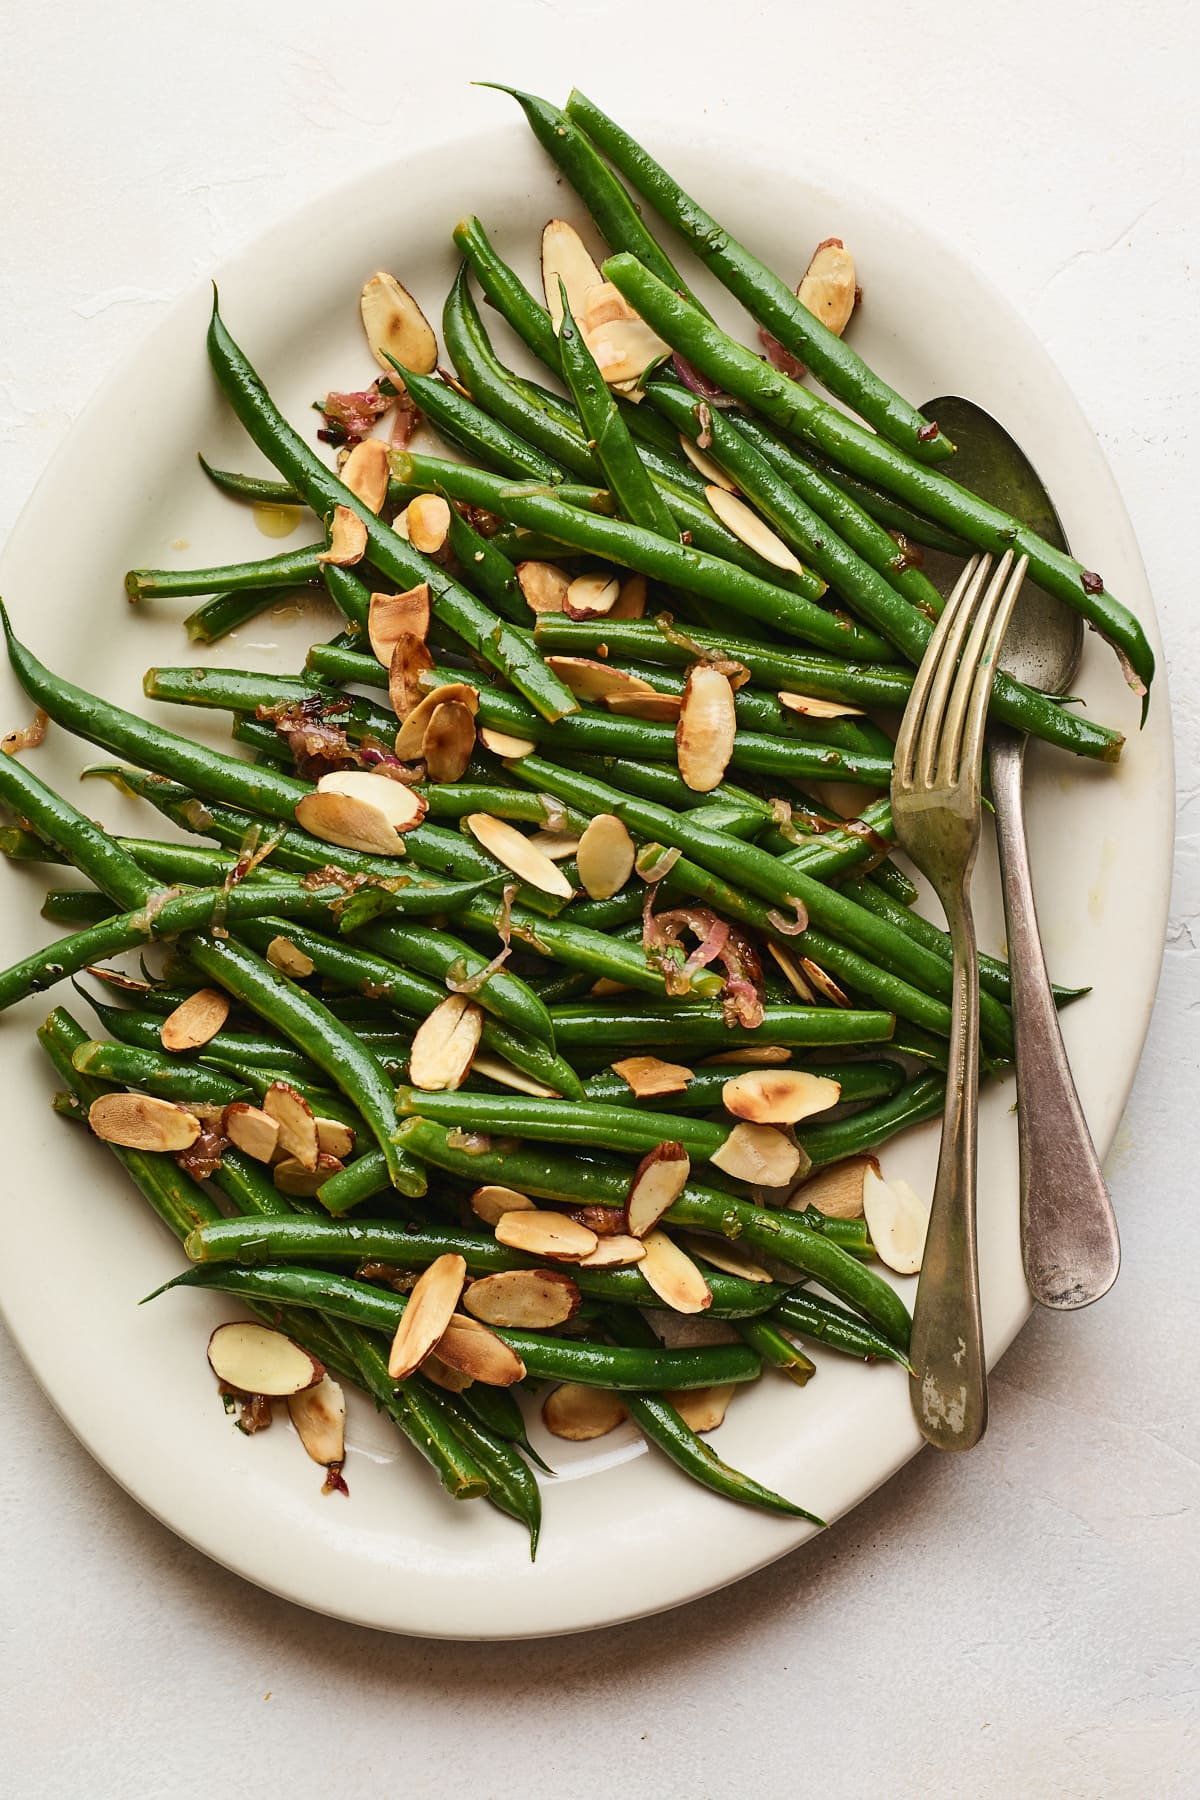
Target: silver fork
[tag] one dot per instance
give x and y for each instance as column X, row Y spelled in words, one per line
column 936, row 810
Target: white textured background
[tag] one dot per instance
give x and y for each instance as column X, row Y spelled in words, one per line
column 1019, row 1623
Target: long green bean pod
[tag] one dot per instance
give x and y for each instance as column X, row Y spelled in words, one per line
column 291, row 568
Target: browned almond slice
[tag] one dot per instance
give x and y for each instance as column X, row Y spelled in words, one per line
column 548, row 1234
column 796, row 978
column 411, row 734
column 297, row 1127
column 524, row 1299
column 468, row 1346
column 502, row 743
column 673, row 1275
column 602, row 304
column 449, row 741
column 724, row 1255
column 624, row 349
column 829, row 289
column 365, row 472
column 649, row 1075
column 825, row 985
column 396, row 326
column 591, row 596
column 197, row 1019
column 660, row 709
column 443, row 1376
column 428, row 519
column 351, row 824
column 605, row 1221
column 657, row 1183
column 813, row 708
column 491, row 1202
column 256, row 1360
column 544, row 586
column 631, row 601
column 319, row 1415
column 591, row 680
column 766, row 1056
column 391, row 615
column 715, row 476
column 759, row 1154
column 429, row 1311
column 291, row 1177
column 559, row 846
column 746, row 524
column 897, row 1219
column 445, row 1044
column 251, row 1129
column 605, row 856
column 496, row 1069
column 506, row 844
column 702, row 1409
column 565, row 258
column 283, row 955
column 142, row 1122
column 580, row 1413
column 704, row 736
column 616, row 1252
column 347, row 539
column 838, row 1190
column 779, row 1096
column 335, row 1139
column 401, row 806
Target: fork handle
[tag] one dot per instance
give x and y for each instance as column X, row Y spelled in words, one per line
column 949, row 1385
column 1069, row 1241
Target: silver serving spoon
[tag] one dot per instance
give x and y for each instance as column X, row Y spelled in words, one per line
column 1069, row 1241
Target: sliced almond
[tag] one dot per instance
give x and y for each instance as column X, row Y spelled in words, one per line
column 506, row 844
column 565, row 258
column 754, row 531
column 605, row 856
column 702, row 1409
column 391, row 615
column 292, row 1178
column 796, row 978
column 825, row 985
column 897, row 1219
column 297, row 1126
column 559, row 846
column 604, row 988
column 617, row 1252
column 624, row 349
column 319, row 1415
column 523, row 1299
column 256, row 1360
column 812, row 708
column 723, row 1254
column 445, row 1043
column 396, row 326
column 673, row 1275
column 657, row 1183
column 251, row 1130
column 365, row 472
column 411, row 734
column 580, row 1413
column 401, row 806
column 704, row 736
column 142, row 1122
column 548, row 1234
column 779, row 1096
column 829, row 289
column 468, row 1346
column 631, row 601
column 347, row 539
column 544, row 586
column 449, row 741
column 335, row 1138
column 660, row 709
column 649, row 1075
column 496, row 1069
column 591, row 596
column 765, row 1055
column 443, row 1376
column 195, row 1020
column 714, row 475
column 490, row 1203
column 838, row 1190
column 605, row 1221
column 591, row 680
column 427, row 1314
column 759, row 1154
column 428, row 518
column 503, row 744
column 602, row 304
column 350, row 824
column 283, row 955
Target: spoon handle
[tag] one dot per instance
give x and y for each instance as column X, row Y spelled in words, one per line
column 1069, row 1240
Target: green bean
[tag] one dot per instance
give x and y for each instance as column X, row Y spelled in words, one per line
column 812, row 1316
column 848, row 1234
column 921, row 1098
column 226, row 612
column 508, row 295
column 409, row 1406
column 248, row 1185
column 290, row 568
column 776, row 1350
column 896, row 518
column 857, row 1080
column 685, row 1025
column 560, row 1121
column 20, row 845
column 77, row 906
column 447, row 958
column 168, row 1077
column 255, row 490
column 486, row 570
column 498, row 1412
column 463, row 423
column 511, row 1484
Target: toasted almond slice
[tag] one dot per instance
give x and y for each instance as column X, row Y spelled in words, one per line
column 256, row 1360
column 838, row 1190
column 429, row 1311
column 544, row 586
column 591, row 596
column 605, row 856
column 335, row 1139
column 396, row 326
column 445, row 1044
column 291, row 1177
column 825, row 985
column 283, row 955
column 347, row 539
column 602, row 304
column 722, row 1254
column 449, row 741
column 624, row 349
column 759, row 1154
column 650, row 1075
column 616, row 1252
column 829, row 289
column 502, row 743
column 712, row 473
column 660, row 709
column 565, row 258
column 351, row 824
column 657, row 1183
column 251, row 1129
column 591, row 680
column 468, row 1346
column 764, row 1056
column 365, row 472
column 411, row 734
column 390, row 615
column 297, row 1127
column 428, row 518
column 142, row 1122
column 496, row 1069
column 673, row 1275
column 813, row 708
column 897, row 1219
column 779, row 1096
column 319, row 1415
column 604, row 988
column 491, row 1202
column 549, row 1234
column 559, row 846
column 754, row 531
column 523, row 1299
column 605, row 1221
column 443, row 1376
column 790, row 966
column 401, row 806
column 704, row 736
column 580, row 1413
column 702, row 1409
column 631, row 601
column 506, row 844
column 195, row 1020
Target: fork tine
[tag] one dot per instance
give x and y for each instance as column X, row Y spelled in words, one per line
column 950, row 749
column 943, row 671
column 976, row 721
column 910, row 724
